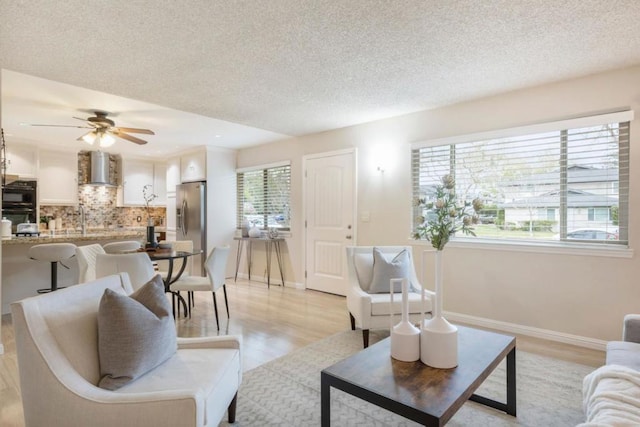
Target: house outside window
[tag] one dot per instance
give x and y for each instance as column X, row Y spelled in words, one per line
column 567, row 179
column 598, row 214
column 264, row 196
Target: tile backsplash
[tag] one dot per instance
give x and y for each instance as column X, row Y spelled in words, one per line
column 100, row 205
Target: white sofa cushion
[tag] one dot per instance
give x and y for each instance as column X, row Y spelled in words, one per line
column 380, row 305
column 204, row 370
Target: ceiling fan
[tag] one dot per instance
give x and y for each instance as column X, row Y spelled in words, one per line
column 103, row 130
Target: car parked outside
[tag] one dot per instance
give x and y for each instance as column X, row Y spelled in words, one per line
column 590, row 234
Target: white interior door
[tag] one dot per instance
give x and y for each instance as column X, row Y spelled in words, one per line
column 330, row 214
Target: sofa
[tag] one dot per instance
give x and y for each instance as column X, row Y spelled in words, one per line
column 59, row 364
column 611, row 393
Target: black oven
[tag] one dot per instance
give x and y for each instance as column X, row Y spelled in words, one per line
column 19, row 203
column 19, row 194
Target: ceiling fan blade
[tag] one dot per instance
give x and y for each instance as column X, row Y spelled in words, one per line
column 123, row 135
column 56, row 126
column 93, row 125
column 135, row 130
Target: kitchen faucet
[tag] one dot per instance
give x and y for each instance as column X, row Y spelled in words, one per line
column 83, row 219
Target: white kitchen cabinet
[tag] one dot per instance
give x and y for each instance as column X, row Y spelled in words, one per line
column 193, row 167
column 58, row 178
column 135, row 175
column 173, row 175
column 171, row 212
column 22, row 161
column 160, row 184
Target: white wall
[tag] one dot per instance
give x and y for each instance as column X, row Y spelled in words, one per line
column 221, row 200
column 585, row 296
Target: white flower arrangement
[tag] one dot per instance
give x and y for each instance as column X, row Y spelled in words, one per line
column 450, row 216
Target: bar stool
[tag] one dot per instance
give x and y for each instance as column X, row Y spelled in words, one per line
column 53, row 253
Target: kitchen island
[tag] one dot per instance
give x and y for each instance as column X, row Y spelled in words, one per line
column 22, row 276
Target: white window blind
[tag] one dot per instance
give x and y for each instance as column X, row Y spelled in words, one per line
column 566, row 184
column 264, row 197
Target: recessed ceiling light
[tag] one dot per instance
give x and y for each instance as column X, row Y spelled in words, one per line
column 218, row 136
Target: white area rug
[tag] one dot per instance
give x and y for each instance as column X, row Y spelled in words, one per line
column 286, row 392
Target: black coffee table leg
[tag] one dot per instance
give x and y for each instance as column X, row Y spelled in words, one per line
column 325, row 401
column 511, row 382
column 510, row 406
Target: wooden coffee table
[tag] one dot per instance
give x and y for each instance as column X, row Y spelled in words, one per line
column 416, row 391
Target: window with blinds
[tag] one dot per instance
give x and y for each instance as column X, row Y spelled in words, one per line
column 264, row 197
column 567, row 184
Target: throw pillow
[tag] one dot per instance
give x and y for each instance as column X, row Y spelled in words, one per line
column 136, row 333
column 384, row 270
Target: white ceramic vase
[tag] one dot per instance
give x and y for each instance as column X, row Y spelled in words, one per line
column 254, row 232
column 405, row 337
column 438, row 337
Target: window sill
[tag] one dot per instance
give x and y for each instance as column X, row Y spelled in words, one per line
column 611, row 251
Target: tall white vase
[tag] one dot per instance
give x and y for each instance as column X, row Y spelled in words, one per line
column 405, row 337
column 438, row 338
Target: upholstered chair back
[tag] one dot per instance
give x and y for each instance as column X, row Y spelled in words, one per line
column 65, row 326
column 122, row 246
column 216, row 266
column 86, row 256
column 138, row 265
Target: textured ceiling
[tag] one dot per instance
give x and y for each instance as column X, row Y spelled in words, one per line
column 301, row 66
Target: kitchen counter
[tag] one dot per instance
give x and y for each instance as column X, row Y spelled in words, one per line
column 22, row 276
column 77, row 238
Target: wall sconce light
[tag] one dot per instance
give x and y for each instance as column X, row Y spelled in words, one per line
column 383, row 158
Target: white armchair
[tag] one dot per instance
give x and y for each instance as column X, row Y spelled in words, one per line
column 57, row 344
column 371, row 311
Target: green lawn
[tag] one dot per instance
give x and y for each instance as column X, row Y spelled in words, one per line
column 491, row 230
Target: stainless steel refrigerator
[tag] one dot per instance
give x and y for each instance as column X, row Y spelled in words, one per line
column 191, row 220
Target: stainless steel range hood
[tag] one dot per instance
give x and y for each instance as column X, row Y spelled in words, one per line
column 99, row 169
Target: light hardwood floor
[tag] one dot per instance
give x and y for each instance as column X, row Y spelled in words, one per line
column 272, row 323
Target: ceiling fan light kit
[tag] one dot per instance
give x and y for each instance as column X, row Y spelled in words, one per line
column 103, row 138
column 104, row 130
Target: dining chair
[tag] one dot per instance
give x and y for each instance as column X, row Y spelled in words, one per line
column 121, row 247
column 86, row 256
column 137, row 265
column 216, row 267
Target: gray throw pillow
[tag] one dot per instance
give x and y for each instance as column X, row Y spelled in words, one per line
column 136, row 333
column 385, row 270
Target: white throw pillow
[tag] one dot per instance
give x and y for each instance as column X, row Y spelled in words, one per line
column 384, row 270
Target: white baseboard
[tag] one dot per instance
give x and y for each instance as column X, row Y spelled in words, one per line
column 546, row 334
